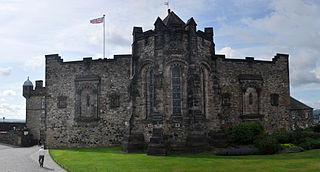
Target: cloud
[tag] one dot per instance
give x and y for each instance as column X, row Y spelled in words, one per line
column 5, row 71
column 12, row 111
column 229, row 52
column 9, row 93
column 290, row 27
column 36, row 62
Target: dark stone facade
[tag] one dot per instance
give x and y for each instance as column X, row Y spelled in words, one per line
column 173, row 94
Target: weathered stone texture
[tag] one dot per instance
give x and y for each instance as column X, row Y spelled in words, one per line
column 87, row 119
column 173, row 94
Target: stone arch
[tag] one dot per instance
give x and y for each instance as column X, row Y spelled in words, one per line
column 169, row 85
column 204, row 86
column 147, row 88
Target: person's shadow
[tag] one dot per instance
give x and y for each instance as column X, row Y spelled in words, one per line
column 49, row 169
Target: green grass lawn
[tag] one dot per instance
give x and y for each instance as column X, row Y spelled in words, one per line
column 112, row 159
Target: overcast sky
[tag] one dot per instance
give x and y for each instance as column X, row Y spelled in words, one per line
column 256, row 28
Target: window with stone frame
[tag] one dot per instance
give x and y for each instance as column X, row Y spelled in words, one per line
column 251, row 101
column 43, row 103
column 176, row 91
column 274, row 98
column 306, row 115
column 151, row 91
column 226, row 99
column 62, row 102
column 114, row 100
column 204, row 90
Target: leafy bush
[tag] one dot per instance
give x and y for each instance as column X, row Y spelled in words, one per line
column 247, row 132
column 310, row 143
column 291, row 148
column 238, row 151
column 299, row 136
column 267, row 145
column 316, row 128
column 282, row 135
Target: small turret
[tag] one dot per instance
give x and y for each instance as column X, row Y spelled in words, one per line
column 27, row 88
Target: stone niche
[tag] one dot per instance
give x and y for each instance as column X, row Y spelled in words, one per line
column 251, row 86
column 86, row 99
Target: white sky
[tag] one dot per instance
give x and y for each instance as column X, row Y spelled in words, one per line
column 260, row 28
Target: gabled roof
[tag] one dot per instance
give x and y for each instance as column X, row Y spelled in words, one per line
column 191, row 22
column 297, row 105
column 173, row 19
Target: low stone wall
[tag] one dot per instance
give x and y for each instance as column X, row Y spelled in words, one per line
column 16, row 138
column 10, row 137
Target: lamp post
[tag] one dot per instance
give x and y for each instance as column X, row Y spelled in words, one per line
column 25, row 132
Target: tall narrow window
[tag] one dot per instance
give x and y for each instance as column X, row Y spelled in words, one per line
column 203, row 89
column 176, row 91
column 274, row 99
column 250, row 99
column 151, row 91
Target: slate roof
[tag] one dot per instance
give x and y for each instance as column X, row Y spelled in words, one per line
column 173, row 19
column 297, row 105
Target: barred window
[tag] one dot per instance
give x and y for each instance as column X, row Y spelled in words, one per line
column 176, row 91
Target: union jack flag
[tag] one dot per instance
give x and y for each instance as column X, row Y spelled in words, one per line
column 97, row 20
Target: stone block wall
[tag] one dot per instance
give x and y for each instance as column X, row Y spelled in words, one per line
column 87, row 102
column 237, row 76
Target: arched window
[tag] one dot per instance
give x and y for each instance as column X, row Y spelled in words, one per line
column 176, row 91
column 151, row 91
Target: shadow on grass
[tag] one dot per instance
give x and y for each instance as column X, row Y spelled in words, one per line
column 311, row 154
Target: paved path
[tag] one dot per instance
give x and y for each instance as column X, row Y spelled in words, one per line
column 20, row 159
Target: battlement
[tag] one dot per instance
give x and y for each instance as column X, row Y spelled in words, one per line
column 58, row 58
column 276, row 58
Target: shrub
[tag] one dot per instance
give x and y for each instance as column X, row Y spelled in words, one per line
column 299, row 136
column 247, row 132
column 267, row 145
column 282, row 135
column 238, row 151
column 316, row 128
column 291, row 148
column 310, row 143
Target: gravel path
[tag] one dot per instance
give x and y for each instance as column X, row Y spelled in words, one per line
column 21, row 159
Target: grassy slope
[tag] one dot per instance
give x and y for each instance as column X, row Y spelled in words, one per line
column 112, row 159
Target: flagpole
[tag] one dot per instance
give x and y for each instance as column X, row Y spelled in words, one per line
column 104, row 36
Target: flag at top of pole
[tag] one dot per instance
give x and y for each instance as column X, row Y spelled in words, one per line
column 97, row 20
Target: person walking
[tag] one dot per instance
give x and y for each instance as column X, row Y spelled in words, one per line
column 41, row 156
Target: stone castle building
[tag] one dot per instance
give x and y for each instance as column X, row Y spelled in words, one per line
column 172, row 94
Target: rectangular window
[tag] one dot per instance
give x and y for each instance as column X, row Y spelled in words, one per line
column 114, row 101
column 43, row 103
column 226, row 99
column 62, row 102
column 274, row 98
